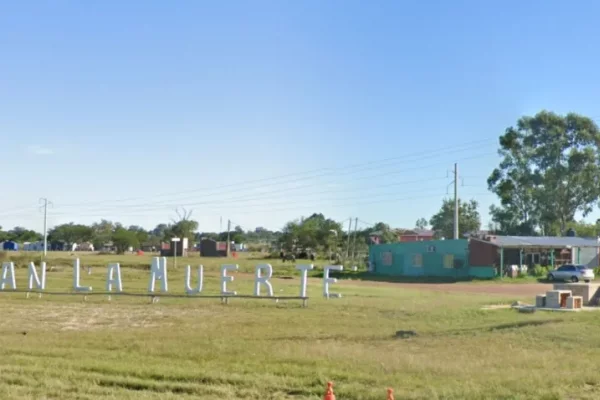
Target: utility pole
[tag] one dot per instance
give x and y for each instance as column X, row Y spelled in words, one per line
column 228, row 239
column 354, row 240
column 455, row 200
column 349, row 234
column 45, row 204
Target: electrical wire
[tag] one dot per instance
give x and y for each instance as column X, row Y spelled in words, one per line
column 410, row 158
column 261, row 196
column 302, row 205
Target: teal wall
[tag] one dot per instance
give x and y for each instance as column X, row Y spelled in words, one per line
column 482, row 272
column 403, row 255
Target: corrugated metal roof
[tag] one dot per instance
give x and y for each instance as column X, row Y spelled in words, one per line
column 544, row 241
column 416, row 231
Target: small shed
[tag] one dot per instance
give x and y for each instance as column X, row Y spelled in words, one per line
column 10, row 246
column 212, row 248
column 169, row 249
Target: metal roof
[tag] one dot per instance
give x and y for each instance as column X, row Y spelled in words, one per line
column 416, row 231
column 544, row 241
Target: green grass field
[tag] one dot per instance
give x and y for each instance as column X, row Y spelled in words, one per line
column 258, row 349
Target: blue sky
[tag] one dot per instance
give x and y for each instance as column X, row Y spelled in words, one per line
column 125, row 110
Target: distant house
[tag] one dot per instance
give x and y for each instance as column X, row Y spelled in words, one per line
column 415, row 235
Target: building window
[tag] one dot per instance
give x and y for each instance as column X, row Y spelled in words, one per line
column 449, row 261
column 386, row 259
column 417, row 260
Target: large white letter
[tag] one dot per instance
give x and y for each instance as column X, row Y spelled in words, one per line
column 225, row 278
column 303, row 268
column 111, row 279
column 259, row 279
column 34, row 279
column 76, row 286
column 158, row 271
column 327, row 280
column 188, row 280
column 8, row 268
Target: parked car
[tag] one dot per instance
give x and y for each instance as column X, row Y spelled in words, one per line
column 573, row 273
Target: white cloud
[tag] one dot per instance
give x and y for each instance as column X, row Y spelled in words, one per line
column 39, row 150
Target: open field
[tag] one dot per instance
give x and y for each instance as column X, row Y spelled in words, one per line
column 60, row 347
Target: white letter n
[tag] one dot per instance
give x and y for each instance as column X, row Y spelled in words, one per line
column 158, row 271
column 34, row 279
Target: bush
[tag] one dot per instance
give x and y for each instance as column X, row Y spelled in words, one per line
column 539, row 271
column 273, row 255
column 256, row 247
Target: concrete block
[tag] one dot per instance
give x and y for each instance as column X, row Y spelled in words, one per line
column 556, row 298
column 589, row 292
column 574, row 302
column 540, row 300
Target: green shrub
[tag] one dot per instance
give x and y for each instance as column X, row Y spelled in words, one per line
column 539, row 271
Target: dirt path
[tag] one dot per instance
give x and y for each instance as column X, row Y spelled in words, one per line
column 520, row 289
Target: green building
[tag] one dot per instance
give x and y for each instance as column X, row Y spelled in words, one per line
column 435, row 258
column 443, row 258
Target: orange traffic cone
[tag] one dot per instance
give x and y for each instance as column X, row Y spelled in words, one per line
column 390, row 394
column 329, row 393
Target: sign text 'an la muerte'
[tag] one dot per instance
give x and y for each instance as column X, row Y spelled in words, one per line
column 158, row 274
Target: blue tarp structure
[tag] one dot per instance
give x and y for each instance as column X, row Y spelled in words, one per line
column 10, row 246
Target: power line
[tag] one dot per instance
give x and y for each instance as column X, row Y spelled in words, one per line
column 261, row 196
column 297, row 207
column 337, row 203
column 236, row 200
column 315, row 201
column 323, row 172
column 366, row 223
column 18, row 211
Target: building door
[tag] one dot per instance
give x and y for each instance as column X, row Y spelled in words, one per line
column 532, row 259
